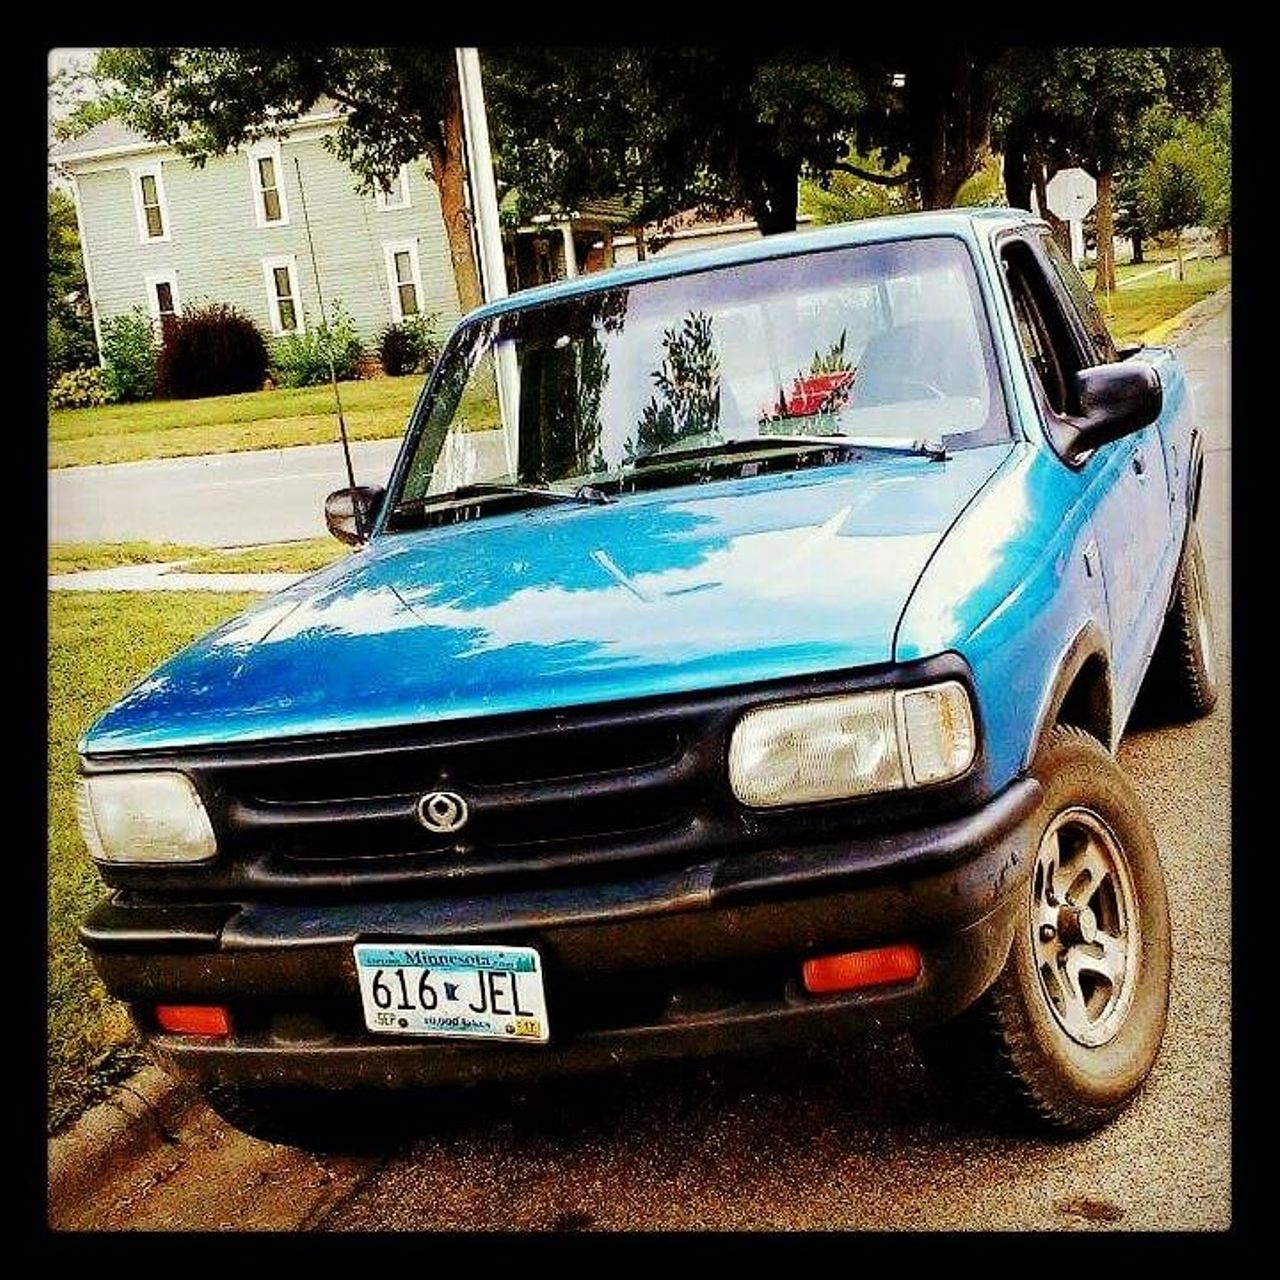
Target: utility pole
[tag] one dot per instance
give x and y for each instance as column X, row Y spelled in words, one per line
column 493, row 268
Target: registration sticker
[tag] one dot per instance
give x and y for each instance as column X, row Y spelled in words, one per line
column 428, row 989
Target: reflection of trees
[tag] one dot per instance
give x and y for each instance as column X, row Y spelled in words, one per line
column 686, row 401
column 564, row 369
column 820, row 392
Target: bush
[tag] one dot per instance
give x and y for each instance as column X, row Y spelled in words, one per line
column 409, row 347
column 80, row 389
column 211, row 350
column 129, row 349
column 70, row 345
column 302, row 359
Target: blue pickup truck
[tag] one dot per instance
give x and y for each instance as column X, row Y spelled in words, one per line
column 736, row 655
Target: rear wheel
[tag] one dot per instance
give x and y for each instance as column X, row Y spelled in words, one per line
column 1072, row 1026
column 1182, row 682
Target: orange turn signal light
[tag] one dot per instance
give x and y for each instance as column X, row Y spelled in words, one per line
column 194, row 1019
column 853, row 970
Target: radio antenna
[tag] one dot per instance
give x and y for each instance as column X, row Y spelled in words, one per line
column 328, row 346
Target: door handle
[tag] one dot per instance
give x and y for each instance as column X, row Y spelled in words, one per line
column 1139, row 463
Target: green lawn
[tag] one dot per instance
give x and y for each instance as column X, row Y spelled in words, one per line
column 375, row 409
column 280, row 557
column 99, row 645
column 1154, row 298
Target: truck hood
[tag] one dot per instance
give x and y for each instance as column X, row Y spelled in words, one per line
column 662, row 592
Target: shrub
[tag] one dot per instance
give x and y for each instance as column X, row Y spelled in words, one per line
column 70, row 345
column 211, row 350
column 409, row 347
column 302, row 359
column 129, row 349
column 80, row 389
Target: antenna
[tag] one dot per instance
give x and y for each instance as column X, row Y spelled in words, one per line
column 333, row 373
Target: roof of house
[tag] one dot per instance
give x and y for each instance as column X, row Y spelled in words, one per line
column 953, row 222
column 114, row 137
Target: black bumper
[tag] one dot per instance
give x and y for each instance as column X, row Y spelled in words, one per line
column 675, row 964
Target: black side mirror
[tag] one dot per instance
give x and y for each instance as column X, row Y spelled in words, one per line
column 350, row 513
column 1111, row 400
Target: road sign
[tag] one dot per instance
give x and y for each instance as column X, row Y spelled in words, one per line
column 1071, row 193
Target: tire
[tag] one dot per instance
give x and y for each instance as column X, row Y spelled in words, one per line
column 317, row 1121
column 1182, row 681
column 1029, row 1052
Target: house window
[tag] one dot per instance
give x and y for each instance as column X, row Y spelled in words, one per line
column 270, row 207
column 149, row 204
column 162, row 297
column 283, row 302
column 404, row 279
column 396, row 195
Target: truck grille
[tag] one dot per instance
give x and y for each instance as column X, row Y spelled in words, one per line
column 574, row 794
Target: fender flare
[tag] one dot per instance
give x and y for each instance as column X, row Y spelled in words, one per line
column 1088, row 644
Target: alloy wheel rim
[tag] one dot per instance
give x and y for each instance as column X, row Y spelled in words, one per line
column 1084, row 927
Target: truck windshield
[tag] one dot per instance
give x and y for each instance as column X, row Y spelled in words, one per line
column 880, row 344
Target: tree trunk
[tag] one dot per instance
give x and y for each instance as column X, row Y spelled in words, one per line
column 1224, row 240
column 1040, row 180
column 1104, row 215
column 1136, row 240
column 448, row 167
column 777, row 198
column 1017, row 168
column 950, row 96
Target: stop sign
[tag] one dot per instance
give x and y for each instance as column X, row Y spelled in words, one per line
column 1071, row 193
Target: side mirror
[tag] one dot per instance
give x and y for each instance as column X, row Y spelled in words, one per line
column 350, row 513
column 1112, row 400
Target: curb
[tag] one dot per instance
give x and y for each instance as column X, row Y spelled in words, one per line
column 141, row 1114
column 1156, row 335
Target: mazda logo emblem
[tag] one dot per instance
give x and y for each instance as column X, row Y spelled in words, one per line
column 443, row 812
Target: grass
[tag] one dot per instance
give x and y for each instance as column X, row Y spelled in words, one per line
column 280, row 557
column 376, row 409
column 99, row 645
column 1141, row 306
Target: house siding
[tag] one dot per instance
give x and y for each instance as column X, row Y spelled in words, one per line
column 215, row 247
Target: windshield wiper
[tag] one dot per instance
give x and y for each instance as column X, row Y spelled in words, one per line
column 584, row 494
column 933, row 449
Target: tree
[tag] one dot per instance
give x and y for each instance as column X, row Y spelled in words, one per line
column 1171, row 191
column 71, row 342
column 400, row 105
column 669, row 129
column 1082, row 105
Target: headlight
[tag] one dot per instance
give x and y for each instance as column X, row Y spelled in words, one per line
column 144, row 817
column 851, row 745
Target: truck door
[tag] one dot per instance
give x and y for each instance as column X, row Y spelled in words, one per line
column 1125, row 480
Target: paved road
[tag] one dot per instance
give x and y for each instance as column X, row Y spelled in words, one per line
column 223, row 500
column 855, row 1139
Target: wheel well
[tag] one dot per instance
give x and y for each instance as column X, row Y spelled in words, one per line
column 1087, row 702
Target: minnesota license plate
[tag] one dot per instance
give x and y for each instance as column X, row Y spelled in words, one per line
column 425, row 989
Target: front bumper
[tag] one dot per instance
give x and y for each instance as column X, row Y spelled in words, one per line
column 678, row 963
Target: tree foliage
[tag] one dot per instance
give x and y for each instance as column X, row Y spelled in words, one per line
column 1084, row 105
column 71, row 343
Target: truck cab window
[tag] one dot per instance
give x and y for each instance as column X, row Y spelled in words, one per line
column 1042, row 328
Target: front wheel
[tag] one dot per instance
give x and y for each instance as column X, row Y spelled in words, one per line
column 1073, row 1024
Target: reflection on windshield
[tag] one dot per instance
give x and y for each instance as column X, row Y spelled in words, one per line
column 868, row 341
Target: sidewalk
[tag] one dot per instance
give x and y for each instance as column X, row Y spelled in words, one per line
column 168, row 577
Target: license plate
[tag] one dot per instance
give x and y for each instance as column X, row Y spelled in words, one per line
column 425, row 989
